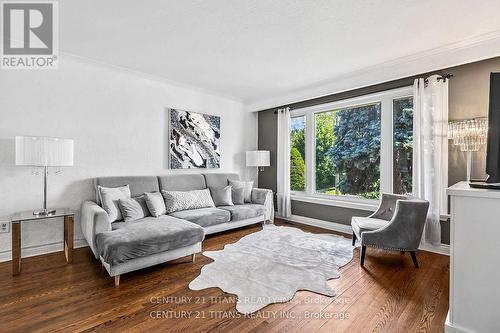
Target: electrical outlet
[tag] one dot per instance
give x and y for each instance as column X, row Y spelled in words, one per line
column 4, row 227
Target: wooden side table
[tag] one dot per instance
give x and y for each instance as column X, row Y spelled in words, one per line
column 16, row 221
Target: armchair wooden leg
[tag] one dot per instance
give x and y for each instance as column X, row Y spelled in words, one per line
column 117, row 280
column 363, row 252
column 414, row 258
column 353, row 239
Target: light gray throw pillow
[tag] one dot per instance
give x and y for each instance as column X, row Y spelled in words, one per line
column 221, row 196
column 109, row 200
column 183, row 200
column 238, row 195
column 155, row 203
column 247, row 186
column 134, row 208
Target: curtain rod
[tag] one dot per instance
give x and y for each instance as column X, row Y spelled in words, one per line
column 443, row 77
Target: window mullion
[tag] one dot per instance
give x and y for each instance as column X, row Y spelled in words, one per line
column 386, row 146
column 310, row 153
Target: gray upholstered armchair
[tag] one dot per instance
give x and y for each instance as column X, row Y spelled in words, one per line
column 397, row 225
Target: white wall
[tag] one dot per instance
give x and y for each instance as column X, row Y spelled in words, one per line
column 117, row 119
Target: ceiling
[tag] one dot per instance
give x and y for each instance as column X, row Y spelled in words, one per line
column 257, row 50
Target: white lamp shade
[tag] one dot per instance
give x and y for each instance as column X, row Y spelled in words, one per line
column 43, row 151
column 258, row 158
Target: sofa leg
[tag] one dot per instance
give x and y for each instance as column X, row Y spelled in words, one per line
column 353, row 239
column 117, row 280
column 363, row 252
column 194, row 257
column 414, row 258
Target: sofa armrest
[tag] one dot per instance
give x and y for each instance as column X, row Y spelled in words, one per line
column 264, row 197
column 94, row 220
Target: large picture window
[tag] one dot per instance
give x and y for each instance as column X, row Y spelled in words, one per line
column 353, row 149
column 348, row 151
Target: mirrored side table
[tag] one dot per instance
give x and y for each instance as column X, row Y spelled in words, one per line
column 16, row 222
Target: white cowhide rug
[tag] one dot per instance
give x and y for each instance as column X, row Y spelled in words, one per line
column 269, row 266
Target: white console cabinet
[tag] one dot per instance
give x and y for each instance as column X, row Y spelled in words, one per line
column 474, row 260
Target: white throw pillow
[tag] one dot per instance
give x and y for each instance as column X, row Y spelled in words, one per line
column 222, row 196
column 155, row 203
column 109, row 200
column 183, row 200
column 134, row 208
column 247, row 186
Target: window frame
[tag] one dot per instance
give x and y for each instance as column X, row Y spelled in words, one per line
column 385, row 98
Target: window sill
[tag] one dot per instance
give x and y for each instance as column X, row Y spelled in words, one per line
column 352, row 203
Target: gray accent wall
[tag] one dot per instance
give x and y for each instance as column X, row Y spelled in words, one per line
column 268, row 140
column 468, row 98
column 334, row 214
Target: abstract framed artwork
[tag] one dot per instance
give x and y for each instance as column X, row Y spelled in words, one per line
column 194, row 140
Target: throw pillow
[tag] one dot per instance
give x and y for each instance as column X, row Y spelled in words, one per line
column 109, row 199
column 134, row 208
column 238, row 195
column 221, row 196
column 183, row 200
column 155, row 203
column 247, row 192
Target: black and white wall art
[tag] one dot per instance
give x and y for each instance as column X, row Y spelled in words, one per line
column 194, row 140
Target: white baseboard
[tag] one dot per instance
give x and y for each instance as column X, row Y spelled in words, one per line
column 440, row 249
column 346, row 229
column 450, row 328
column 338, row 227
column 41, row 249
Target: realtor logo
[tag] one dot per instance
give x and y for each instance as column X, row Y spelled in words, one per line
column 29, row 35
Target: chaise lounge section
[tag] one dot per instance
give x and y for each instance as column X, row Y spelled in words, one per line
column 123, row 246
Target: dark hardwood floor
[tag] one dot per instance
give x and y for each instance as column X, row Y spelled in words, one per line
column 387, row 295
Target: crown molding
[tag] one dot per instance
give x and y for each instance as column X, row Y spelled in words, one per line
column 470, row 50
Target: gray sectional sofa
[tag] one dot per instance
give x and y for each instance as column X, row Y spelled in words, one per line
column 127, row 246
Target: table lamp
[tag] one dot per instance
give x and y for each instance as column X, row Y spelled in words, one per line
column 258, row 158
column 470, row 135
column 44, row 152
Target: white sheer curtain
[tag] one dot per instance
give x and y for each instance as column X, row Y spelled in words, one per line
column 283, row 163
column 430, row 150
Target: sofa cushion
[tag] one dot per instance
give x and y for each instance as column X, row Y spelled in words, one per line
column 362, row 224
column 246, row 211
column 182, row 200
column 185, row 182
column 221, row 196
column 138, row 184
column 155, row 203
column 110, row 196
column 204, row 216
column 133, row 208
column 238, row 195
column 219, row 179
column 147, row 236
column 247, row 188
